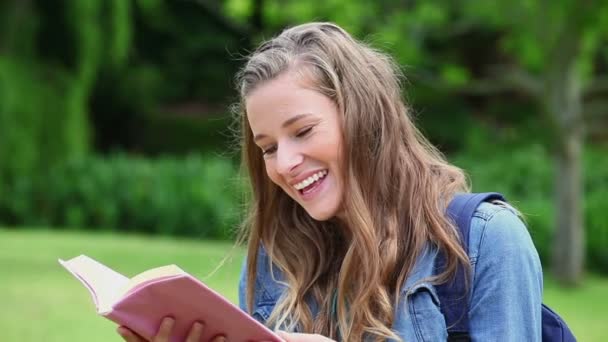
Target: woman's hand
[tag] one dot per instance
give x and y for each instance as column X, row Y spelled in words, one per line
column 165, row 331
column 297, row 337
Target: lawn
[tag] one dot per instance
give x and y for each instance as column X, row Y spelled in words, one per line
column 43, row 302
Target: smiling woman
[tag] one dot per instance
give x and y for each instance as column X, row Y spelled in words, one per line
column 347, row 232
column 298, row 130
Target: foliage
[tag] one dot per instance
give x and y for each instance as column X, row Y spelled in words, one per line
column 525, row 176
column 195, row 51
column 193, row 196
column 183, row 134
column 49, row 59
column 183, row 54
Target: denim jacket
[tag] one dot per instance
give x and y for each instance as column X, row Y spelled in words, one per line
column 505, row 296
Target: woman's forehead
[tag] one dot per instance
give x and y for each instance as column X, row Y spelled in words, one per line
column 282, row 98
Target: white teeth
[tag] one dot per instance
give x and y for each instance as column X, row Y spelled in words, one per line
column 310, row 180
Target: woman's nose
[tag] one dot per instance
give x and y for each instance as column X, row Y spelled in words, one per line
column 288, row 158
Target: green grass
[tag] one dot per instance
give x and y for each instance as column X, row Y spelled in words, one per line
column 584, row 308
column 43, row 302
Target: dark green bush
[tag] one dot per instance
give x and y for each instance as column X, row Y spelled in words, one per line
column 190, row 196
column 182, row 134
column 525, row 176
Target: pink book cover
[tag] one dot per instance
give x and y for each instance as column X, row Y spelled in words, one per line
column 182, row 297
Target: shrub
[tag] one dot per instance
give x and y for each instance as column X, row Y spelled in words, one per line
column 181, row 134
column 191, row 196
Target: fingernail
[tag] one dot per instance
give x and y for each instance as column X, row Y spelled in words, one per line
column 198, row 325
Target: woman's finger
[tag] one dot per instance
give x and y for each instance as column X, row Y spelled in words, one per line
column 128, row 335
column 165, row 330
column 195, row 332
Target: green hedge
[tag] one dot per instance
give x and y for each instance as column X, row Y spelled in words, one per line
column 196, row 196
column 525, row 176
column 190, row 196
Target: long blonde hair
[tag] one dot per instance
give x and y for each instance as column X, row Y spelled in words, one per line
column 397, row 186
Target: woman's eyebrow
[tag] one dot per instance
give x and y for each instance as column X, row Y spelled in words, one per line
column 294, row 118
column 285, row 124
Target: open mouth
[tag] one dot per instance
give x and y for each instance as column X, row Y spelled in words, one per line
column 311, row 183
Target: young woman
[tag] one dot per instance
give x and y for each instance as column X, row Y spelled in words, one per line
column 348, row 207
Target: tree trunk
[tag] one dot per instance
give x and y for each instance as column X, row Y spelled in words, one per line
column 568, row 247
column 563, row 101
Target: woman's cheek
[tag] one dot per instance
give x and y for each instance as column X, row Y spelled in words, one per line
column 272, row 174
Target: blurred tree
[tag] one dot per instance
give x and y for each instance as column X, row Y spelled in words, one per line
column 182, row 56
column 50, row 55
column 552, row 49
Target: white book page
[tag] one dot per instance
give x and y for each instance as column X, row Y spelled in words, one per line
column 103, row 283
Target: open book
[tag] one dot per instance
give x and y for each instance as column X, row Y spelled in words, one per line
column 140, row 303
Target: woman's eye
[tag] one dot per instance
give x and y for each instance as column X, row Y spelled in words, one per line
column 303, row 132
column 269, row 150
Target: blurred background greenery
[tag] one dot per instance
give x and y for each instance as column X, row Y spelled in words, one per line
column 115, row 127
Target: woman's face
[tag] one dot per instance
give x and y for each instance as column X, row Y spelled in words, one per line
column 298, row 130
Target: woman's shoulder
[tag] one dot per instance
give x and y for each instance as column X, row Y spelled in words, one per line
column 507, row 276
column 498, row 228
column 488, row 210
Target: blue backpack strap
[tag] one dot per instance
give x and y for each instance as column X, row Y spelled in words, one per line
column 453, row 295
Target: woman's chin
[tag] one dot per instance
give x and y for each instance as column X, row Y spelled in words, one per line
column 320, row 214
